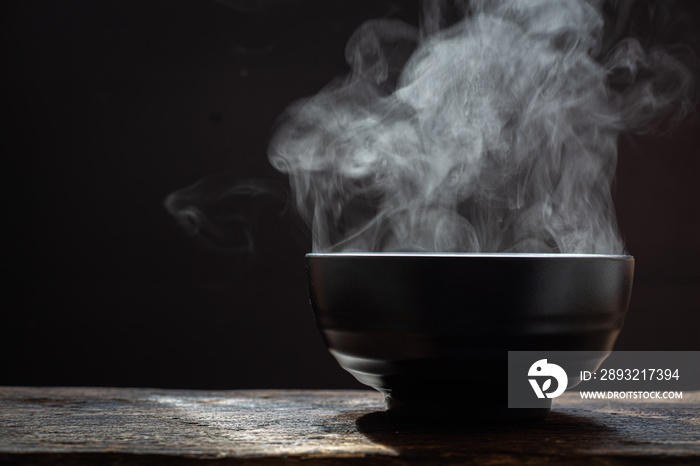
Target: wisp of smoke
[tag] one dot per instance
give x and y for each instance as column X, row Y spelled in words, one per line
column 496, row 133
column 223, row 214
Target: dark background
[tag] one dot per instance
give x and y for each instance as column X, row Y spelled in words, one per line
column 109, row 106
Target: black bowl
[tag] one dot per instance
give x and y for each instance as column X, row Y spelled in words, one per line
column 432, row 331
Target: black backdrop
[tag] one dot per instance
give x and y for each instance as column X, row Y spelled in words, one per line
column 111, row 105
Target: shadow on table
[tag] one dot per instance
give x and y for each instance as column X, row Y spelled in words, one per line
column 558, row 433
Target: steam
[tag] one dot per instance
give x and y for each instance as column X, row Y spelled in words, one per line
column 224, row 214
column 496, row 133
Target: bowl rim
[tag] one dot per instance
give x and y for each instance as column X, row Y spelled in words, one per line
column 500, row 255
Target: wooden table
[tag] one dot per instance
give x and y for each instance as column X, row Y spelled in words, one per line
column 153, row 426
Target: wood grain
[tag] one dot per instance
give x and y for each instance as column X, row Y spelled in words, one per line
column 153, row 426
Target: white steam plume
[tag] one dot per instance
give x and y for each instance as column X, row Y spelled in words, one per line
column 497, row 133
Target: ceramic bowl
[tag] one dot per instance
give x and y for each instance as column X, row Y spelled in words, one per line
column 432, row 331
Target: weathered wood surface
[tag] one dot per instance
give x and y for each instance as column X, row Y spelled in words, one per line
column 152, row 426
